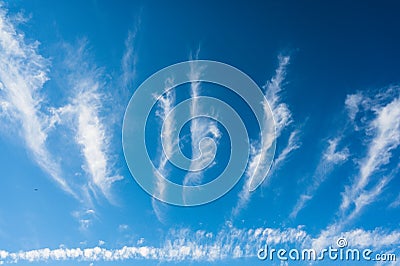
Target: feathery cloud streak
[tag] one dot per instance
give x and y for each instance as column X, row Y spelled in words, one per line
column 91, row 134
column 129, row 60
column 200, row 128
column 379, row 116
column 330, row 159
column 23, row 72
column 166, row 104
column 259, row 151
column 385, row 131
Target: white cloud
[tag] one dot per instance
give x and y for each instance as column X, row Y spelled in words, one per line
column 166, row 104
column 273, row 89
column 84, row 224
column 376, row 239
column 395, row 203
column 85, row 218
column 123, row 227
column 200, row 128
column 228, row 243
column 367, row 197
column 258, row 164
column 85, row 118
column 23, row 73
column 332, row 155
column 140, row 241
column 385, row 129
column 383, row 133
column 352, row 104
column 331, row 158
column 292, row 145
column 282, row 116
column 179, row 245
column 129, row 59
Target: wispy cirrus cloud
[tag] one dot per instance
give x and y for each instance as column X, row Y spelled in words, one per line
column 129, row 59
column 331, row 158
column 379, row 116
column 85, row 117
column 293, row 143
column 25, row 106
column 166, row 103
column 23, row 73
column 385, row 131
column 272, row 91
column 257, row 165
column 352, row 104
column 200, row 128
column 395, row 203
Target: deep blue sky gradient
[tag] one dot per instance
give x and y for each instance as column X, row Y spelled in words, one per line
column 336, row 48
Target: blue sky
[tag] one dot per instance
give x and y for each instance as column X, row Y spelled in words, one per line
column 68, row 69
